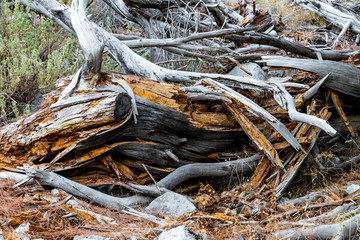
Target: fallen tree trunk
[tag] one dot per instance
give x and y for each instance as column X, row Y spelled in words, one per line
column 98, row 127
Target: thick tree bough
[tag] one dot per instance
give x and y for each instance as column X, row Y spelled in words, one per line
column 90, row 42
column 331, row 14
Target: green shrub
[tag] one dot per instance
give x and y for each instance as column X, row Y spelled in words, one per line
column 34, row 52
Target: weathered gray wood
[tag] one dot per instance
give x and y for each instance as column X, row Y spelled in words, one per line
column 167, row 126
column 343, row 230
column 79, row 190
column 331, row 14
column 288, row 103
column 289, row 46
column 195, row 170
column 260, row 112
column 344, row 77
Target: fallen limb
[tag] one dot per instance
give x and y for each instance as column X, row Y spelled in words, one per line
column 196, row 170
column 331, row 14
column 344, row 165
column 343, row 77
column 79, row 190
column 343, row 230
column 289, row 46
column 338, row 106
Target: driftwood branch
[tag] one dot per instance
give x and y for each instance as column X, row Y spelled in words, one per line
column 343, row 230
column 79, row 190
column 90, row 42
column 196, row 170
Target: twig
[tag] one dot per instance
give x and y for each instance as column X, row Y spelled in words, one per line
column 151, row 178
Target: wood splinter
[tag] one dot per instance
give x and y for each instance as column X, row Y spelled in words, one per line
column 338, row 106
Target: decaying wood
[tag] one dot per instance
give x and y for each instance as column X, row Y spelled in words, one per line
column 344, row 165
column 196, row 170
column 91, row 45
column 299, row 157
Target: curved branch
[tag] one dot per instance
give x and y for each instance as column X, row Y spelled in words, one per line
column 260, row 112
column 287, row 102
column 196, row 170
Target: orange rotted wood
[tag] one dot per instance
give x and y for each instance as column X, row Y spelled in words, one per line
column 255, row 135
column 337, row 103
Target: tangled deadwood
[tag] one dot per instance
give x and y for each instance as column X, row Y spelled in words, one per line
column 162, row 126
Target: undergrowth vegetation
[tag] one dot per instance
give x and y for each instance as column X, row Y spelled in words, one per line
column 34, row 51
column 285, row 12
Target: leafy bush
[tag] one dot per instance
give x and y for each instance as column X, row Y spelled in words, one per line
column 34, row 51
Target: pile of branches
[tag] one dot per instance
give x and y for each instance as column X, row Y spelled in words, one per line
column 159, row 126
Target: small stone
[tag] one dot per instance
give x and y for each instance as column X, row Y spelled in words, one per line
column 72, row 203
column 256, row 71
column 352, row 188
column 179, row 233
column 20, row 231
column 91, row 237
column 50, row 199
column 55, row 192
column 171, row 204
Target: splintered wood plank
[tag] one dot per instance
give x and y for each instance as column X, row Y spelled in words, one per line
column 338, row 106
column 168, row 95
column 256, row 136
column 295, row 163
column 259, row 176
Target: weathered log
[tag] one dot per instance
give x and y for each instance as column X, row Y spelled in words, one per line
column 343, row 78
column 92, row 130
column 265, row 39
column 79, row 190
column 90, row 42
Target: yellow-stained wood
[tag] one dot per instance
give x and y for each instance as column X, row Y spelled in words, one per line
column 338, row 106
column 256, row 135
